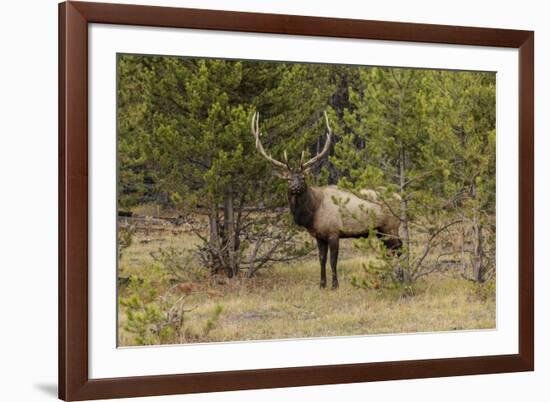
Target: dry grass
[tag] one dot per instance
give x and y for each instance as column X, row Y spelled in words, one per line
column 286, row 302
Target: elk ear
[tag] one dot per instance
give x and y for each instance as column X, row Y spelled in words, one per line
column 281, row 174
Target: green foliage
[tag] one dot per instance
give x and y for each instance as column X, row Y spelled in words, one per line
column 184, row 124
column 378, row 273
column 158, row 312
column 430, row 137
column 145, row 320
column 211, row 322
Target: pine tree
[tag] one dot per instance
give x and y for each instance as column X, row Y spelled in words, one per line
column 471, row 115
column 194, row 125
column 409, row 126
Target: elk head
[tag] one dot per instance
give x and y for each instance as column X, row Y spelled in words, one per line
column 296, row 176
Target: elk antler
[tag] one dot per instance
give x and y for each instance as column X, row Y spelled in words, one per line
column 255, row 127
column 325, row 150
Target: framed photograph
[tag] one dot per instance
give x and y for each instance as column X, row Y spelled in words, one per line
column 260, row 200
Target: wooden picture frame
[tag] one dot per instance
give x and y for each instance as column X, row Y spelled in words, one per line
column 74, row 381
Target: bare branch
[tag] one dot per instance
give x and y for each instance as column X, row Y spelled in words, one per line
column 428, row 245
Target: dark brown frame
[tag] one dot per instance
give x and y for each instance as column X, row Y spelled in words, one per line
column 74, row 383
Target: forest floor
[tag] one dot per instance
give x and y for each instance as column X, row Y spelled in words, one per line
column 285, row 301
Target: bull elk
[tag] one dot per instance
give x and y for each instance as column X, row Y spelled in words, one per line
column 329, row 213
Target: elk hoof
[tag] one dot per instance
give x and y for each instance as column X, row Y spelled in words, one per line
column 334, row 285
column 323, row 284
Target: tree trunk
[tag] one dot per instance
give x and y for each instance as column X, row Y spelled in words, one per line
column 463, row 261
column 237, row 224
column 478, row 268
column 404, row 271
column 214, row 239
column 229, row 229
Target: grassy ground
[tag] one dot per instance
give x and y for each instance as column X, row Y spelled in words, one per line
column 286, row 302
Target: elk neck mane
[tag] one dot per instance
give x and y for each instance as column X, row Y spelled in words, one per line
column 303, row 207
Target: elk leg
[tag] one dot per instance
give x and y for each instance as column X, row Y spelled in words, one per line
column 323, row 250
column 333, row 244
column 393, row 245
column 394, row 248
